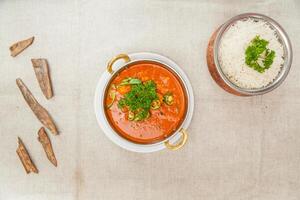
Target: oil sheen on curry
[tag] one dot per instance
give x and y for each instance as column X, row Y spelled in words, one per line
column 145, row 102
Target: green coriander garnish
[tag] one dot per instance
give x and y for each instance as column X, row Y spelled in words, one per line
column 138, row 100
column 258, row 56
column 130, row 81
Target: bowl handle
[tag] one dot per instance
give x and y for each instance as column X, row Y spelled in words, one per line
column 180, row 144
column 125, row 57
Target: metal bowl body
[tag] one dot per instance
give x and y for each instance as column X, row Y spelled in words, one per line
column 100, row 110
column 216, row 70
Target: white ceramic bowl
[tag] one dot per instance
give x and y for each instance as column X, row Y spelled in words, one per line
column 177, row 139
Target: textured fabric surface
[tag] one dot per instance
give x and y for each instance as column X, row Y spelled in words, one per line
column 238, row 149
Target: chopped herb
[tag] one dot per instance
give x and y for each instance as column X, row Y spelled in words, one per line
column 139, row 99
column 258, row 56
column 130, row 81
column 269, row 57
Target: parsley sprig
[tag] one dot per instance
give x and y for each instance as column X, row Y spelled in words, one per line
column 139, row 99
column 258, row 56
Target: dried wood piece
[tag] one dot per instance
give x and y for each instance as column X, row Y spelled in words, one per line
column 46, row 143
column 25, row 158
column 40, row 112
column 41, row 70
column 20, row 46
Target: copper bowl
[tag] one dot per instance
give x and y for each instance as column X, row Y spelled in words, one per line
column 216, row 70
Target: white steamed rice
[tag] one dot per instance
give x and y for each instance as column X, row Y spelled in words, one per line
column 232, row 49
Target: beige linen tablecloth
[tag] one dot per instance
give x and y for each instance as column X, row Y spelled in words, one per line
column 238, row 149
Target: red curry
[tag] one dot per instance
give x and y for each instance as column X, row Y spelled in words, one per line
column 161, row 122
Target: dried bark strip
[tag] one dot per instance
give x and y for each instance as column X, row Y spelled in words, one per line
column 41, row 70
column 40, row 112
column 46, row 143
column 20, row 46
column 25, row 158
